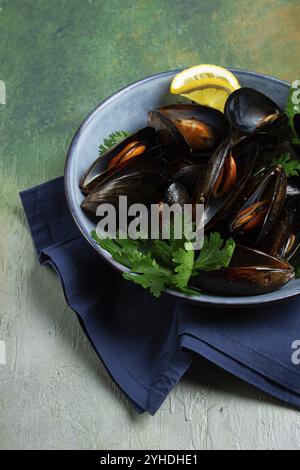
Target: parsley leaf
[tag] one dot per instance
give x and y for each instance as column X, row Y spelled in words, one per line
column 289, row 164
column 184, row 261
column 149, row 274
column 214, row 254
column 113, row 139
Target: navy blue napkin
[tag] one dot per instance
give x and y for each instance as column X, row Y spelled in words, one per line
column 147, row 344
column 134, row 334
column 258, row 345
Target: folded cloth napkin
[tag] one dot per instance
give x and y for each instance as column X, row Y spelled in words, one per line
column 147, row 344
column 134, row 334
column 258, row 345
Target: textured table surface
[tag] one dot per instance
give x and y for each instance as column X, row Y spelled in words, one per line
column 58, row 59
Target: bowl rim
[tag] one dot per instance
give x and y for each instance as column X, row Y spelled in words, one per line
column 204, row 299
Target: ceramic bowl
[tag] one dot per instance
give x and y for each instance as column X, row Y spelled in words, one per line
column 127, row 109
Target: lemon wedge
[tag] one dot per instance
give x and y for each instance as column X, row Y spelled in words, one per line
column 206, row 84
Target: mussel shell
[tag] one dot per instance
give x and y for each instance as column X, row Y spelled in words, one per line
column 246, row 109
column 265, row 142
column 212, row 120
column 168, row 134
column 99, row 170
column 176, row 194
column 250, row 272
column 187, row 173
column 277, row 241
column 143, row 181
column 272, row 187
column 217, row 210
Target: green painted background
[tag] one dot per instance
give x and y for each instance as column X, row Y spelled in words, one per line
column 59, row 58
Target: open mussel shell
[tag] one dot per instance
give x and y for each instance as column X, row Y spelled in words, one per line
column 250, row 272
column 201, row 128
column 284, row 239
column 226, row 174
column 143, row 181
column 168, row 134
column 120, row 155
column 261, row 208
column 248, row 111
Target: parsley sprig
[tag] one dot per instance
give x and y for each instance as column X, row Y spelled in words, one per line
column 158, row 264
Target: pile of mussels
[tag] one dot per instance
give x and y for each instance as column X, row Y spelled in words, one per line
column 196, row 154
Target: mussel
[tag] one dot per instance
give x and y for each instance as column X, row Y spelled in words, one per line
column 284, row 239
column 227, row 172
column 261, row 207
column 189, row 128
column 250, row 111
column 143, row 181
column 251, row 272
column 119, row 156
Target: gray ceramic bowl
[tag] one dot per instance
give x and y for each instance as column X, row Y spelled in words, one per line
column 127, row 109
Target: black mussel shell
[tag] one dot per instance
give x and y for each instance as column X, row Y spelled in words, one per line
column 217, row 206
column 138, row 144
column 266, row 143
column 168, row 134
column 250, row 272
column 261, row 208
column 201, row 127
column 187, row 173
column 143, row 181
column 249, row 110
column 277, row 242
column 176, row 194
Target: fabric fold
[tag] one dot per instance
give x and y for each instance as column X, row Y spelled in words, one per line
column 134, row 334
column 253, row 344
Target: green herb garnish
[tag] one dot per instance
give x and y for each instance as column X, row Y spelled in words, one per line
column 215, row 254
column 158, row 264
column 289, row 164
column 113, row 139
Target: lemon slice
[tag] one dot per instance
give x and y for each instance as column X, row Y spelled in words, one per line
column 206, row 84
